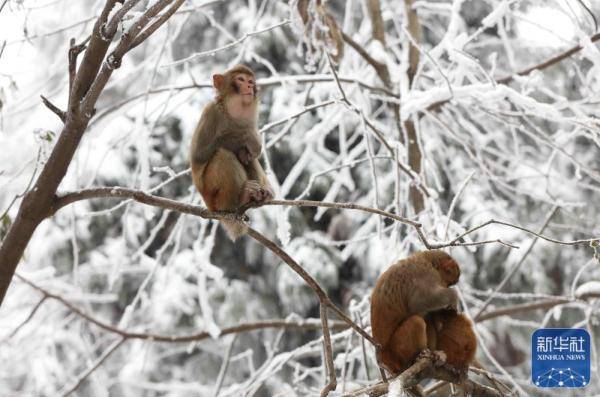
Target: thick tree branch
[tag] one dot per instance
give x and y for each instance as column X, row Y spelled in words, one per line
column 428, row 365
column 38, row 203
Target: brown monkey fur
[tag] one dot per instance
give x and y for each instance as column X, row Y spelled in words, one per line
column 413, row 308
column 225, row 148
column 453, row 334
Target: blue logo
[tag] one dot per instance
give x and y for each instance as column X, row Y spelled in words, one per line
column 560, row 357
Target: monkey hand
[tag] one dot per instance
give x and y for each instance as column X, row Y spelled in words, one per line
column 453, row 304
column 244, row 156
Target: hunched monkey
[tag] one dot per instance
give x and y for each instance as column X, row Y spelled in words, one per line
column 225, row 148
column 403, row 295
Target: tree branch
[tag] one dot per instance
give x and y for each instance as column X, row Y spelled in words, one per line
column 542, row 304
column 149, row 199
column 81, row 378
column 60, row 113
column 305, row 325
column 74, row 52
column 540, row 66
column 427, row 365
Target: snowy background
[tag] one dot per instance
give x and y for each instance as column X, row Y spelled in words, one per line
column 128, row 276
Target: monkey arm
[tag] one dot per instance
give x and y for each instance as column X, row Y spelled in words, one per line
column 212, row 133
column 431, row 299
column 256, row 172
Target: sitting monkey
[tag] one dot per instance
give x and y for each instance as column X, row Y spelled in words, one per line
column 413, row 309
column 225, row 149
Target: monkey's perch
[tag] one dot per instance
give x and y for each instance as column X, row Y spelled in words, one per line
column 428, row 365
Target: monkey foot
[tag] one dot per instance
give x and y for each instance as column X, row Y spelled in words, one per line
column 241, row 217
column 254, row 194
column 437, row 357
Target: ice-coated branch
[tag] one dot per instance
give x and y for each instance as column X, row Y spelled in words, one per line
column 304, row 325
column 157, row 201
column 428, row 365
column 230, row 45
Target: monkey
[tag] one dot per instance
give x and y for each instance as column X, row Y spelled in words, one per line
column 403, row 295
column 452, row 333
column 225, row 149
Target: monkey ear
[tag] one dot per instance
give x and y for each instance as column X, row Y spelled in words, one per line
column 218, row 81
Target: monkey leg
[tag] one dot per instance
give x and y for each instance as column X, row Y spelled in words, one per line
column 407, row 341
column 224, row 180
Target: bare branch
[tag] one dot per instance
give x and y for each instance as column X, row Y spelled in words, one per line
column 224, row 366
column 377, row 26
column 304, row 325
column 542, row 304
column 149, row 199
column 380, row 68
column 29, row 317
column 228, row 46
column 74, row 52
column 516, row 267
column 427, row 365
column 332, row 384
column 114, row 59
column 156, row 24
column 60, row 113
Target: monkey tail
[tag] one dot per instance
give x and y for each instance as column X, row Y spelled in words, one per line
column 234, row 229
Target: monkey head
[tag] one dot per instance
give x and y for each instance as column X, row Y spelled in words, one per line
column 238, row 81
column 445, row 265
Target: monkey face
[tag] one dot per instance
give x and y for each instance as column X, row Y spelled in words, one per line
column 449, row 271
column 244, row 85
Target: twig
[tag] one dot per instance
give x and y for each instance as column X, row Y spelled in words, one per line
column 29, row 317
column 115, row 345
column 228, row 46
column 224, row 366
column 406, row 169
column 524, row 307
column 455, row 201
column 517, row 266
column 332, row 384
column 493, row 221
column 60, row 113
